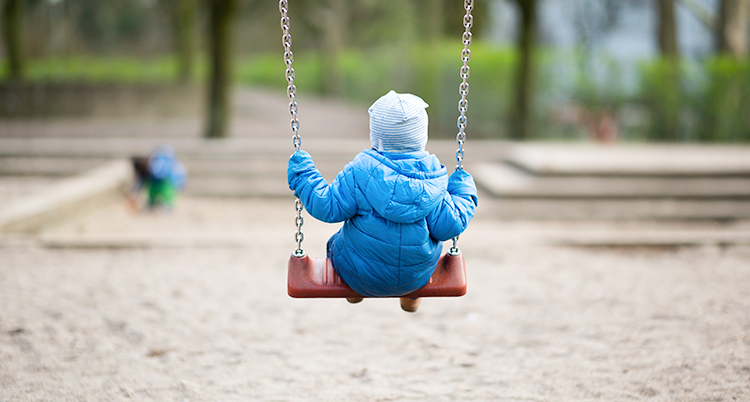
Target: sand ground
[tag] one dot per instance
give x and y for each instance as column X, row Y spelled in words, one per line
column 193, row 307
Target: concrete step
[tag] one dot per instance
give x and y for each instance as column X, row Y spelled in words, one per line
column 507, row 181
column 184, row 147
column 32, row 211
column 342, row 149
column 18, row 186
column 613, row 209
column 692, row 160
column 209, row 222
column 267, row 165
column 656, row 238
column 238, row 187
column 47, row 166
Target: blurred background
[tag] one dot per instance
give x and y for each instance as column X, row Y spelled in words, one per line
column 554, row 85
column 601, row 70
column 608, row 258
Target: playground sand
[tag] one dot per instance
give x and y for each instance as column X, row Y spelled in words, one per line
column 193, row 307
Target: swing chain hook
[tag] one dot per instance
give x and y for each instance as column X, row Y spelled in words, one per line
column 454, row 251
column 291, row 91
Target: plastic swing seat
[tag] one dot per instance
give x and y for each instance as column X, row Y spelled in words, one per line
column 310, row 277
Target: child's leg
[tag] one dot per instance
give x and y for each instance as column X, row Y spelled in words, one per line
column 410, row 305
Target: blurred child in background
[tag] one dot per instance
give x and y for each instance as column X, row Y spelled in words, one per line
column 161, row 175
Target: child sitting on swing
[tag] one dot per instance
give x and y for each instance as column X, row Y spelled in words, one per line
column 396, row 200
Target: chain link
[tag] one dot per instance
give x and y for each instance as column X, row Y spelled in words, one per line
column 291, row 91
column 463, row 88
column 298, row 235
column 463, row 104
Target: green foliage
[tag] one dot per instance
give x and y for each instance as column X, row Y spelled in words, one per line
column 724, row 103
column 375, row 22
column 662, row 92
column 265, row 70
column 430, row 71
column 598, row 82
column 103, row 24
column 709, row 102
column 491, row 90
column 103, row 70
column 711, row 99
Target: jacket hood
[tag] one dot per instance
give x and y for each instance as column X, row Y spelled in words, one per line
column 405, row 187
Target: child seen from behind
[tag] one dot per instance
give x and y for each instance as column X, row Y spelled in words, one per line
column 396, row 200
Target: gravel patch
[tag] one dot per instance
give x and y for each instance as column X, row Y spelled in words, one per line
column 214, row 323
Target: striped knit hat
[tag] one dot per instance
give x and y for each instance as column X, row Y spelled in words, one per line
column 398, row 123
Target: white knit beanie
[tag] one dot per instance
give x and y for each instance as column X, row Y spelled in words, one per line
column 398, row 123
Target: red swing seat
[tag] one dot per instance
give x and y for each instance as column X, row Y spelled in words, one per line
column 310, row 277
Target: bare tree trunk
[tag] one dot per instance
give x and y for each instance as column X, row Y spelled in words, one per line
column 334, row 33
column 328, row 22
column 184, row 23
column 732, row 41
column 433, row 17
column 521, row 122
column 732, row 30
column 669, row 110
column 12, row 15
column 667, row 29
column 220, row 51
column 431, row 25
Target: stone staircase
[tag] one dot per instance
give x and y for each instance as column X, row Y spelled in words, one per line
column 621, row 182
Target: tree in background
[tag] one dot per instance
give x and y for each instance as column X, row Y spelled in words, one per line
column 433, row 21
column 220, row 16
column 599, row 89
column 333, row 25
column 728, row 105
column 12, row 20
column 732, row 29
column 185, row 15
column 730, row 24
column 668, row 110
column 330, row 19
column 667, row 29
column 522, row 119
column 328, row 23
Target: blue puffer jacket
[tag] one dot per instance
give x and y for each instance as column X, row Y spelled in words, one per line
column 397, row 209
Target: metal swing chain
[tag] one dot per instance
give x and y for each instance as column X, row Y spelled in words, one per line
column 463, row 88
column 291, row 91
column 463, row 104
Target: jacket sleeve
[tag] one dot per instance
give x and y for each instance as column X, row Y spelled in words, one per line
column 453, row 214
column 329, row 203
